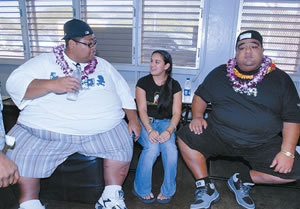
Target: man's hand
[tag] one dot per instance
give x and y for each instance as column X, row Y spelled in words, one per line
column 134, row 127
column 66, row 84
column 197, row 125
column 282, row 163
column 8, row 171
column 40, row 87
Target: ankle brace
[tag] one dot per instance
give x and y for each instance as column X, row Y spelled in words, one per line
column 202, row 182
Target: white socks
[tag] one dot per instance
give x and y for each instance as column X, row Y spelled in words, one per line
column 110, row 191
column 31, row 204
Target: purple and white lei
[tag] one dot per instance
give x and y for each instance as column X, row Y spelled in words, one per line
column 60, row 60
column 248, row 87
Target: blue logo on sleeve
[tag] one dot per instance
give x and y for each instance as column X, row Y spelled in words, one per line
column 53, row 76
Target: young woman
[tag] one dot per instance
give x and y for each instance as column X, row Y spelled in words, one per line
column 159, row 101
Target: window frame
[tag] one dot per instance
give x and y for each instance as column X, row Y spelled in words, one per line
column 239, row 26
column 136, row 35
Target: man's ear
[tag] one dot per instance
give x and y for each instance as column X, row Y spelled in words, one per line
column 71, row 43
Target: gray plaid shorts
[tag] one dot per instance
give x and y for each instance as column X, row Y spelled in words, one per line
column 38, row 152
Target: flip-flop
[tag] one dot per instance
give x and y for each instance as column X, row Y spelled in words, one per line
column 151, row 200
column 164, row 201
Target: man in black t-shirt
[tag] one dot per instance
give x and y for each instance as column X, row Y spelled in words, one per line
column 253, row 104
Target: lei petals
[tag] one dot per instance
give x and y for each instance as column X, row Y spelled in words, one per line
column 60, row 60
column 248, row 87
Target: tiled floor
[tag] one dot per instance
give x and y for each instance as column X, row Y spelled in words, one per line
column 266, row 197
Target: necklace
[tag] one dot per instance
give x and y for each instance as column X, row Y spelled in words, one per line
column 60, row 60
column 248, row 87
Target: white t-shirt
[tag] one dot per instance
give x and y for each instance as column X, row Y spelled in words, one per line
column 99, row 106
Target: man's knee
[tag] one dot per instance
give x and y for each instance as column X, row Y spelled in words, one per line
column 190, row 154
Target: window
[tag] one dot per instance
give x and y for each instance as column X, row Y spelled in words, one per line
column 278, row 22
column 45, row 23
column 112, row 23
column 11, row 43
column 172, row 26
column 128, row 31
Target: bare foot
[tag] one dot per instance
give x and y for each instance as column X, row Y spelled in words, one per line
column 161, row 197
column 148, row 197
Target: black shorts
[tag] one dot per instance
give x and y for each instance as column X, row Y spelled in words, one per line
column 259, row 158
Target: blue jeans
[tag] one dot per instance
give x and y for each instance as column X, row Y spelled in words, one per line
column 148, row 156
column 2, row 131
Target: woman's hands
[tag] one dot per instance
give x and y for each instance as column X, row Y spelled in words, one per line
column 155, row 137
column 165, row 136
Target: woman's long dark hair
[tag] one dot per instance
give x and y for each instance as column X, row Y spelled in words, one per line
column 165, row 101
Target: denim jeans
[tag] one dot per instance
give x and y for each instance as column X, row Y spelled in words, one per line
column 2, row 131
column 148, row 156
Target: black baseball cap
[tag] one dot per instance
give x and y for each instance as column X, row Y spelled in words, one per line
column 250, row 34
column 76, row 28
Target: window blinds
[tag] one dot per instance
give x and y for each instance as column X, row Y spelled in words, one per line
column 127, row 30
column 11, row 44
column 112, row 23
column 172, row 26
column 45, row 23
column 279, row 24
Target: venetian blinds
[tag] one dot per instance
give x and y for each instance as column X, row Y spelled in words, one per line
column 45, row 23
column 112, row 23
column 279, row 24
column 173, row 26
column 11, row 44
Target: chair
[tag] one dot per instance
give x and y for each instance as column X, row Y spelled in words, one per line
column 78, row 179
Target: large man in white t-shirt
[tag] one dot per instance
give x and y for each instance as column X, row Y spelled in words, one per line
column 51, row 127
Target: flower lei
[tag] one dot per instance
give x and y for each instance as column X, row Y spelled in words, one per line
column 248, row 87
column 60, row 60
